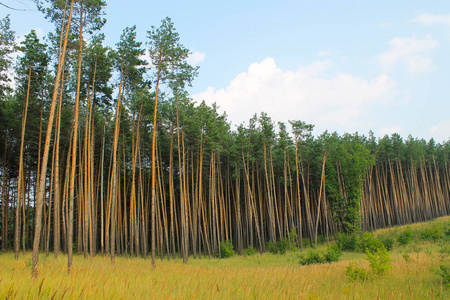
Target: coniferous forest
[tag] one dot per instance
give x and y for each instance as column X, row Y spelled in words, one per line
column 103, row 152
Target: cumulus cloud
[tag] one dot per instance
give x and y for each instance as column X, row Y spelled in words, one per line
column 196, row 58
column 305, row 94
column 433, row 19
column 412, row 52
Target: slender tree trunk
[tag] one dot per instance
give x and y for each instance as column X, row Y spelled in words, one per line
column 43, row 173
column 20, row 185
column 113, row 184
column 322, row 181
column 155, row 113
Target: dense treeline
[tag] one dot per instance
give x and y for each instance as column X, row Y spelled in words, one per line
column 104, row 152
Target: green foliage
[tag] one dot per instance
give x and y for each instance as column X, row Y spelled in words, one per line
column 320, row 239
column 226, row 249
column 405, row 237
column 249, row 251
column 444, row 252
column 444, row 272
column 348, row 160
column 380, row 261
column 6, row 49
column 355, row 273
column 388, row 240
column 169, row 56
column 279, row 247
column 312, row 257
column 367, row 241
column 333, row 254
column 446, row 230
column 432, row 233
column 407, row 257
column 347, row 242
column 293, row 237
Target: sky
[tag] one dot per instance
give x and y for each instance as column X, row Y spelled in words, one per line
column 345, row 66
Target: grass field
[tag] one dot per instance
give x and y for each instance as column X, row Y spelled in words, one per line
column 414, row 275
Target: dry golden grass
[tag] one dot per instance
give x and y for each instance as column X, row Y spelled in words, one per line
column 255, row 277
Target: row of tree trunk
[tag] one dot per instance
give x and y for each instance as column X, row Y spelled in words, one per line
column 200, row 202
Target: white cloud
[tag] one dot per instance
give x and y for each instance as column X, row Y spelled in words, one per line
column 303, row 94
column 325, row 53
column 196, row 58
column 412, row 52
column 433, row 19
column 441, row 131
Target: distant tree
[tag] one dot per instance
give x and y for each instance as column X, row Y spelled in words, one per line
column 6, row 49
column 346, row 167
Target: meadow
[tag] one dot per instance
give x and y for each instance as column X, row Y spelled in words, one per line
column 415, row 274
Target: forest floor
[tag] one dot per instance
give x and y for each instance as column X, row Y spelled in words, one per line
column 418, row 272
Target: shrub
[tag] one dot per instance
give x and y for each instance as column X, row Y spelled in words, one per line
column 333, row 254
column 446, row 231
column 271, row 247
column 445, row 275
column 226, row 249
column 356, row 273
column 388, row 241
column 347, row 242
column 368, row 242
column 278, row 247
column 249, row 251
column 444, row 252
column 432, row 233
column 407, row 258
column 293, row 237
column 312, row 257
column 405, row 237
column 380, row 261
column 320, row 239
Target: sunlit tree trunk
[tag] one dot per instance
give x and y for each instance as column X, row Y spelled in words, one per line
column 43, row 173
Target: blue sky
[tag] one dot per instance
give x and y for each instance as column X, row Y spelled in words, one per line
column 344, row 66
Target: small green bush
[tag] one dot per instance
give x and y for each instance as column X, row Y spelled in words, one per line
column 407, row 258
column 333, row 254
column 444, row 252
column 249, row 251
column 380, row 261
column 356, row 273
column 432, row 233
column 405, row 237
column 278, row 247
column 226, row 249
column 347, row 242
column 367, row 241
column 388, row 240
column 445, row 275
column 293, row 237
column 272, row 247
column 312, row 257
column 446, row 231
